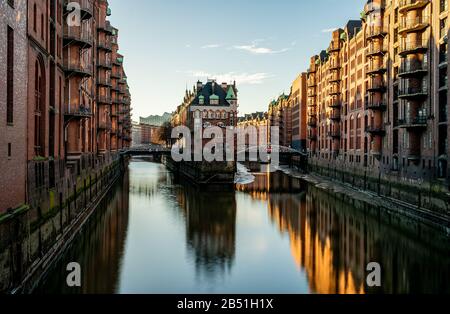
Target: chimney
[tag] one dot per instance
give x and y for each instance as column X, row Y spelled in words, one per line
column 199, row 86
column 224, row 86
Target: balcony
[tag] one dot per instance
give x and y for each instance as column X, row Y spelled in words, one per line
column 312, row 93
column 335, row 90
column 116, row 75
column 334, row 104
column 75, row 67
column 104, row 100
column 375, row 130
column 413, row 47
column 408, row 5
column 77, row 35
column 376, row 68
column 106, row 64
column 335, row 116
column 334, row 66
column 376, row 87
column 376, row 106
column 376, row 50
column 334, row 47
column 312, row 122
column 414, row 25
column 334, row 134
column 376, row 31
column 413, row 92
column 417, row 122
column 106, row 28
column 104, row 125
column 85, row 7
column 103, row 81
column 372, row 6
column 78, row 112
column 413, row 68
column 104, row 45
column 335, row 78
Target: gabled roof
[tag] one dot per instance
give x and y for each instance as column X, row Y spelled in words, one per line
column 212, row 90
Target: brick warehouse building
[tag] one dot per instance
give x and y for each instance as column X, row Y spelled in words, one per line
column 66, row 104
column 378, row 101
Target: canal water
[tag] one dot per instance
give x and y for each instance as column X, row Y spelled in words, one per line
column 155, row 233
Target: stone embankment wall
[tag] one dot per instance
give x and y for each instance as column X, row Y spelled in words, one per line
column 34, row 234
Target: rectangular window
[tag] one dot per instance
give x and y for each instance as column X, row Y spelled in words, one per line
column 10, row 77
column 11, row 3
column 9, row 150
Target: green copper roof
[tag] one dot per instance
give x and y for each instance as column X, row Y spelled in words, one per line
column 344, row 36
column 230, row 93
column 214, row 97
column 108, row 12
column 120, row 60
column 201, row 97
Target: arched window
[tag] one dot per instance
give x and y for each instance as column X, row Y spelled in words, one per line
column 39, row 112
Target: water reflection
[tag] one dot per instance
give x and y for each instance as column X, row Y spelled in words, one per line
column 334, row 241
column 210, row 228
column 100, row 249
column 158, row 234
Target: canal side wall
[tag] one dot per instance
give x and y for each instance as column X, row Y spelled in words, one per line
column 429, row 195
column 31, row 233
column 212, row 175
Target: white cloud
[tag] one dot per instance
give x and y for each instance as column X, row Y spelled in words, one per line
column 329, row 30
column 240, row 78
column 253, row 48
column 211, row 46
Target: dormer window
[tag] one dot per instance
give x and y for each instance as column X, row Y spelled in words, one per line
column 214, row 100
column 201, row 100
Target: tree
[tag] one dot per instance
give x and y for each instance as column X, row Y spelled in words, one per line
column 165, row 134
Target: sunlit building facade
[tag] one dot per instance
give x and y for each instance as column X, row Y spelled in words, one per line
column 378, row 98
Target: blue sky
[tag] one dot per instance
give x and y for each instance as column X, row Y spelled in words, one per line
column 262, row 44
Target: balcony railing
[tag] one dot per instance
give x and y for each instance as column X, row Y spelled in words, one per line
column 335, row 115
column 104, row 64
column 376, row 31
column 376, row 86
column 336, row 65
column 106, row 27
column 77, row 35
column 381, row 106
column 405, row 5
column 76, row 67
column 376, row 68
column 85, row 8
column 375, row 130
column 78, row 111
column 104, row 125
column 414, row 24
column 334, row 47
column 334, row 133
column 335, row 90
column 104, row 81
column 376, row 49
column 101, row 99
column 412, row 68
column 418, row 121
column 372, row 6
column 413, row 46
column 312, row 122
column 406, row 92
column 104, row 45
